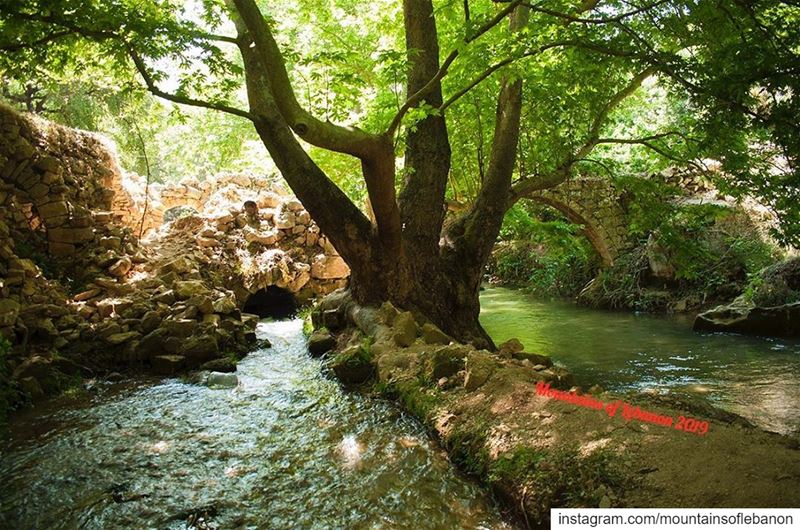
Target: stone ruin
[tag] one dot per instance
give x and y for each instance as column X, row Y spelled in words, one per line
column 79, row 292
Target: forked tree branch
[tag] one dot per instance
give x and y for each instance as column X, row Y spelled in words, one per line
column 326, row 135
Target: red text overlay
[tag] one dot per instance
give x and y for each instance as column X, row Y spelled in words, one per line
column 626, row 411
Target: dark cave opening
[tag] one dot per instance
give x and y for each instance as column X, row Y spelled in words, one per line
column 272, row 302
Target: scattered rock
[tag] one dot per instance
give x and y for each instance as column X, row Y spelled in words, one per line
column 121, row 267
column 180, row 328
column 222, row 380
column 510, row 347
column 121, row 338
column 189, row 288
column 320, row 342
column 446, row 361
column 226, row 365
column 433, row 335
column 479, row 366
column 198, row 350
column 352, row 365
column 151, row 321
column 167, row 364
column 405, row 329
column 534, row 358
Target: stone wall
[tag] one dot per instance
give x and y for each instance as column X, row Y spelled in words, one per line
column 595, row 204
column 55, row 179
column 80, row 292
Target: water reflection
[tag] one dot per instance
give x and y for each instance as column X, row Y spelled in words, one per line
column 758, row 378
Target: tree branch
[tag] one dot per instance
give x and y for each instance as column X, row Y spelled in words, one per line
column 327, row 135
column 474, row 234
column 435, row 81
column 614, row 102
column 530, row 53
column 647, row 142
column 44, row 40
column 608, row 20
column 527, row 186
column 183, row 100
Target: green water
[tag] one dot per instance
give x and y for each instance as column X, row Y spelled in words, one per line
column 286, row 449
column 758, row 378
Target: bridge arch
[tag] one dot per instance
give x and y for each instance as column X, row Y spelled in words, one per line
column 594, row 204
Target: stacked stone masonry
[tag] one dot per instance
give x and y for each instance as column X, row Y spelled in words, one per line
column 79, row 291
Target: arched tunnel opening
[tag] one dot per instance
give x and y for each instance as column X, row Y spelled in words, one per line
column 271, row 302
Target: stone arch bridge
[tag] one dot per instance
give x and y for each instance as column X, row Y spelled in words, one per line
column 596, row 205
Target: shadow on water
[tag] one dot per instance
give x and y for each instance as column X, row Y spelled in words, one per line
column 286, row 449
column 756, row 377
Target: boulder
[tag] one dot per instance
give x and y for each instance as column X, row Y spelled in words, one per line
column 395, row 364
column 329, row 267
column 779, row 321
column 167, row 297
column 480, row 366
column 224, row 364
column 110, row 242
column 188, row 288
column 404, row 329
column 121, row 267
column 31, row 387
column 180, row 328
column 251, row 235
column 445, row 361
column 387, row 313
column 510, row 347
column 179, row 265
column 150, row 321
column 42, row 370
column 198, row 350
column 433, row 335
column 353, row 365
column 153, row 343
column 9, row 310
column 534, row 358
column 321, row 342
column 203, row 304
column 86, row 295
column 206, row 242
column 222, row 380
column 284, row 219
column 225, row 305
column 167, row 364
column 70, row 235
column 120, row 338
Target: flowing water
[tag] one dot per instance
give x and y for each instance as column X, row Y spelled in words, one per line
column 758, row 378
column 286, row 449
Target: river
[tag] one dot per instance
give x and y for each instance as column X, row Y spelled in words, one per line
column 286, row 449
column 756, row 377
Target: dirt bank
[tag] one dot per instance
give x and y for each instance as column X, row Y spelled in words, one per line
column 539, row 452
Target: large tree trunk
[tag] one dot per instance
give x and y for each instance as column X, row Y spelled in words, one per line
column 398, row 258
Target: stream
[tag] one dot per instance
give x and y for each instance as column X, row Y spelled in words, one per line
column 286, row 449
column 755, row 377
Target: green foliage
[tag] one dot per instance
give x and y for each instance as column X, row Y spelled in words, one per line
column 550, row 256
column 733, row 98
column 775, row 285
column 708, row 252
